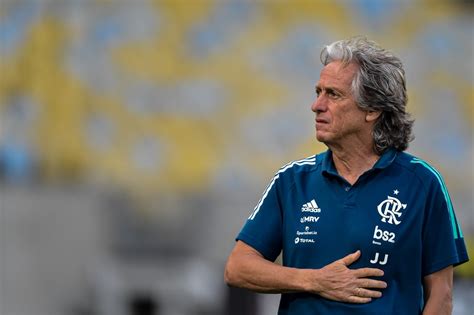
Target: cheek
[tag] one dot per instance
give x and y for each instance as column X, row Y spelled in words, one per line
column 340, row 120
column 348, row 120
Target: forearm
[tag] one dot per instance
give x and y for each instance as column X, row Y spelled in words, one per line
column 257, row 274
column 247, row 268
column 438, row 292
column 439, row 304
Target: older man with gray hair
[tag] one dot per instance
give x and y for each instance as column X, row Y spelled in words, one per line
column 364, row 227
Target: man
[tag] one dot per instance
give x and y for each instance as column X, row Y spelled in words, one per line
column 363, row 228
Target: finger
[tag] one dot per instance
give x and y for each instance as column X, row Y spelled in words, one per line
column 349, row 259
column 365, row 293
column 358, row 299
column 370, row 283
column 368, row 272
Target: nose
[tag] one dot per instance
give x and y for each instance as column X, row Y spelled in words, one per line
column 319, row 104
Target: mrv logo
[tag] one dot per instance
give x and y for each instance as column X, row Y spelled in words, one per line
column 309, row 219
column 386, row 236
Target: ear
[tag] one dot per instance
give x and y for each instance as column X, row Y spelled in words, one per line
column 371, row 116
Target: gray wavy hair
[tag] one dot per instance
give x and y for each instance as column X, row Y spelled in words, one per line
column 379, row 85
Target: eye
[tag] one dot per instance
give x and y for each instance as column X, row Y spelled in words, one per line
column 318, row 91
column 332, row 93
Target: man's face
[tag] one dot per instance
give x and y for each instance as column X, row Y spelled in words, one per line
column 338, row 118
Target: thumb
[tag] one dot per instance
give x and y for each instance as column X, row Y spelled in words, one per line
column 349, row 259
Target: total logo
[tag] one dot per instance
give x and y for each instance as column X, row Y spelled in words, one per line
column 303, row 240
column 385, row 236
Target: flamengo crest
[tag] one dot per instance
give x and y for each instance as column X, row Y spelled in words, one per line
column 389, row 210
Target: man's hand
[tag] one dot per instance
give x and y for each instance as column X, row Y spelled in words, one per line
column 247, row 268
column 339, row 283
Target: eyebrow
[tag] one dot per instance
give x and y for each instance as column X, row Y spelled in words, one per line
column 329, row 88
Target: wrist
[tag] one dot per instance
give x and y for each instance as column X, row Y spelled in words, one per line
column 307, row 280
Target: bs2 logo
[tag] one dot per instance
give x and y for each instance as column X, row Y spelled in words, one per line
column 386, row 236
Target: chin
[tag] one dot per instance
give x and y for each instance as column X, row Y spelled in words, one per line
column 326, row 139
column 320, row 137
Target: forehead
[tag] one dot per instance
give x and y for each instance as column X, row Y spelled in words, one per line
column 337, row 74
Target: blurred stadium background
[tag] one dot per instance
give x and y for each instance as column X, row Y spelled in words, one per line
column 136, row 137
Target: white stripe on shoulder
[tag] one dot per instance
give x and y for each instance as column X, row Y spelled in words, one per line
column 307, row 161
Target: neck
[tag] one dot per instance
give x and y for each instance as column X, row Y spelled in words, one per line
column 351, row 163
